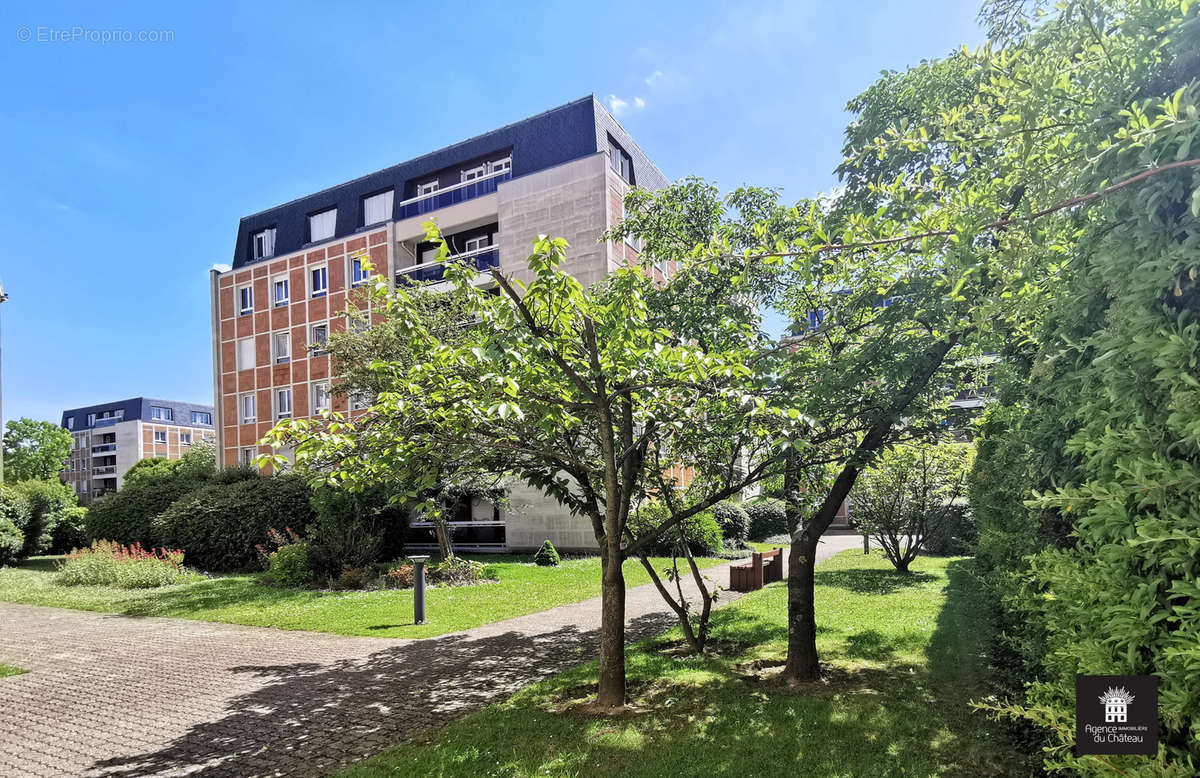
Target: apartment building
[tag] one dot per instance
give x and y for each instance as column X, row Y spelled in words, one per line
column 564, row 172
column 109, row 438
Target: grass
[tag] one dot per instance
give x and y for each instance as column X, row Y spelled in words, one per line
column 7, row 670
column 521, row 588
column 903, row 658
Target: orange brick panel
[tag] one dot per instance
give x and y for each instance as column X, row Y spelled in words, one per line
column 281, row 375
column 378, row 238
column 279, row 316
column 225, row 303
column 358, row 244
column 318, row 368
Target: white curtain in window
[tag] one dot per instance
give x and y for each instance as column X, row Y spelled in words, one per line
column 321, row 225
column 377, row 208
column 245, row 354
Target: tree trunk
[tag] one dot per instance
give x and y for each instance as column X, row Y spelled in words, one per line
column 611, row 693
column 802, row 662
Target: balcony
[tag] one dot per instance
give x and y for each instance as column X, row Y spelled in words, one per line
column 107, row 448
column 104, row 470
column 110, row 421
column 483, row 259
column 452, row 195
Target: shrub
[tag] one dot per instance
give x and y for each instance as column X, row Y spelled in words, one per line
column 701, row 531
column 354, row 529
column 457, row 571
column 767, row 518
column 129, row 567
column 221, row 524
column 128, row 516
column 400, row 576
column 955, row 535
column 70, row 532
column 36, row 507
column 288, row 566
column 354, row 578
column 733, row 521
column 547, row 556
column 12, row 540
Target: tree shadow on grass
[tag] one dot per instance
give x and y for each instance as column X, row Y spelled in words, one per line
column 871, row 581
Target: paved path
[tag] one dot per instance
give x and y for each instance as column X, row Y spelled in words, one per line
column 121, row 696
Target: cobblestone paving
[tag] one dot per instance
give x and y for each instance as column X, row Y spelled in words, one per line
column 120, row 696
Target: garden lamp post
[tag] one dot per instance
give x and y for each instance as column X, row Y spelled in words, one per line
column 419, row 588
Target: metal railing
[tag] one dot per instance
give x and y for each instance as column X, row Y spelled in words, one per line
column 483, row 259
column 452, row 195
column 107, row 448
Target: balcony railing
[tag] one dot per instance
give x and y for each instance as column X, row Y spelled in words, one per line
column 483, row 259
column 111, row 420
column 107, row 448
column 104, row 470
column 452, row 195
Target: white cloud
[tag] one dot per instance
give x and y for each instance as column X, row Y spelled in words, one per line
column 620, row 106
column 656, row 79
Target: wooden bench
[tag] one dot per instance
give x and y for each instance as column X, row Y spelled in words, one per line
column 762, row 569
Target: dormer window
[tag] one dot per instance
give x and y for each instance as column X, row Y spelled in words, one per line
column 264, row 243
column 427, row 188
column 620, row 161
column 500, row 165
column 473, row 173
column 377, row 208
column 321, row 225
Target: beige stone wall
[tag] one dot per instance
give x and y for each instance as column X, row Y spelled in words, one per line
column 532, row 518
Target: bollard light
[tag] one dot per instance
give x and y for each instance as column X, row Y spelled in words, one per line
column 419, row 588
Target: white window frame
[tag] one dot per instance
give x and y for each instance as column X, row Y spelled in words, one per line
column 358, row 273
column 477, row 243
column 91, row 419
column 428, row 188
column 322, row 226
column 312, row 338
column 244, row 351
column 264, row 243
column 252, row 416
column 500, row 165
column 246, row 456
column 377, row 208
column 359, row 401
column 467, row 175
column 281, row 347
column 70, row 422
column 318, row 390
column 162, row 413
column 160, row 436
column 280, row 411
column 278, row 283
column 198, row 417
column 321, row 274
column 244, row 291
column 185, row 438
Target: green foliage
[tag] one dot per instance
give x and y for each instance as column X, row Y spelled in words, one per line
column 70, row 532
column 36, row 508
column 768, row 518
column 288, row 566
column 354, row 529
column 34, row 450
column 459, row 571
column 12, row 540
column 126, row 567
column 700, row 531
column 733, row 521
column 547, row 555
column 219, row 525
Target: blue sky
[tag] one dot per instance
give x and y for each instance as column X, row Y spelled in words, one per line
column 127, row 165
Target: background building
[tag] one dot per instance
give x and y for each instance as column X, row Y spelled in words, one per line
column 111, row 437
column 564, row 172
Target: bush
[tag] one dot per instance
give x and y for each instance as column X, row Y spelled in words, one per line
column 12, row 540
column 354, row 529
column 128, row 567
column 547, row 555
column 289, row 566
column 733, row 521
column 455, row 571
column 955, row 535
column 128, row 516
column 767, row 518
column 70, row 532
column 36, row 507
column 400, row 576
column 354, row 578
column 701, row 531
column 220, row 525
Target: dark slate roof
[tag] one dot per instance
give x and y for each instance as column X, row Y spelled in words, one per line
column 569, row 132
column 138, row 408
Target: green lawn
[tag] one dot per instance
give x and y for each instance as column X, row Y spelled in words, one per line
column 7, row 670
column 904, row 656
column 240, row 599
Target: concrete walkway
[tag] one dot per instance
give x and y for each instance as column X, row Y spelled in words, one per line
column 114, row 695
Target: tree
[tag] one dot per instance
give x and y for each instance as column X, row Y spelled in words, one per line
column 580, row 393
column 34, row 450
column 909, row 493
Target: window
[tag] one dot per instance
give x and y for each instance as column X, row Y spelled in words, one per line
column 161, row 413
column 621, row 162
column 280, row 285
column 318, row 336
column 201, row 417
column 283, row 403
column 475, row 244
column 357, row 324
column 500, row 165
column 185, row 438
column 281, row 347
column 358, row 273
column 321, row 225
column 428, row 188
column 473, row 173
column 245, row 300
column 359, row 401
column 249, row 406
column 119, row 413
column 160, row 436
column 91, row 419
column 377, row 208
column 320, row 397
column 319, row 281
column 245, row 353
column 246, row 457
column 264, row 243
column 70, row 422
